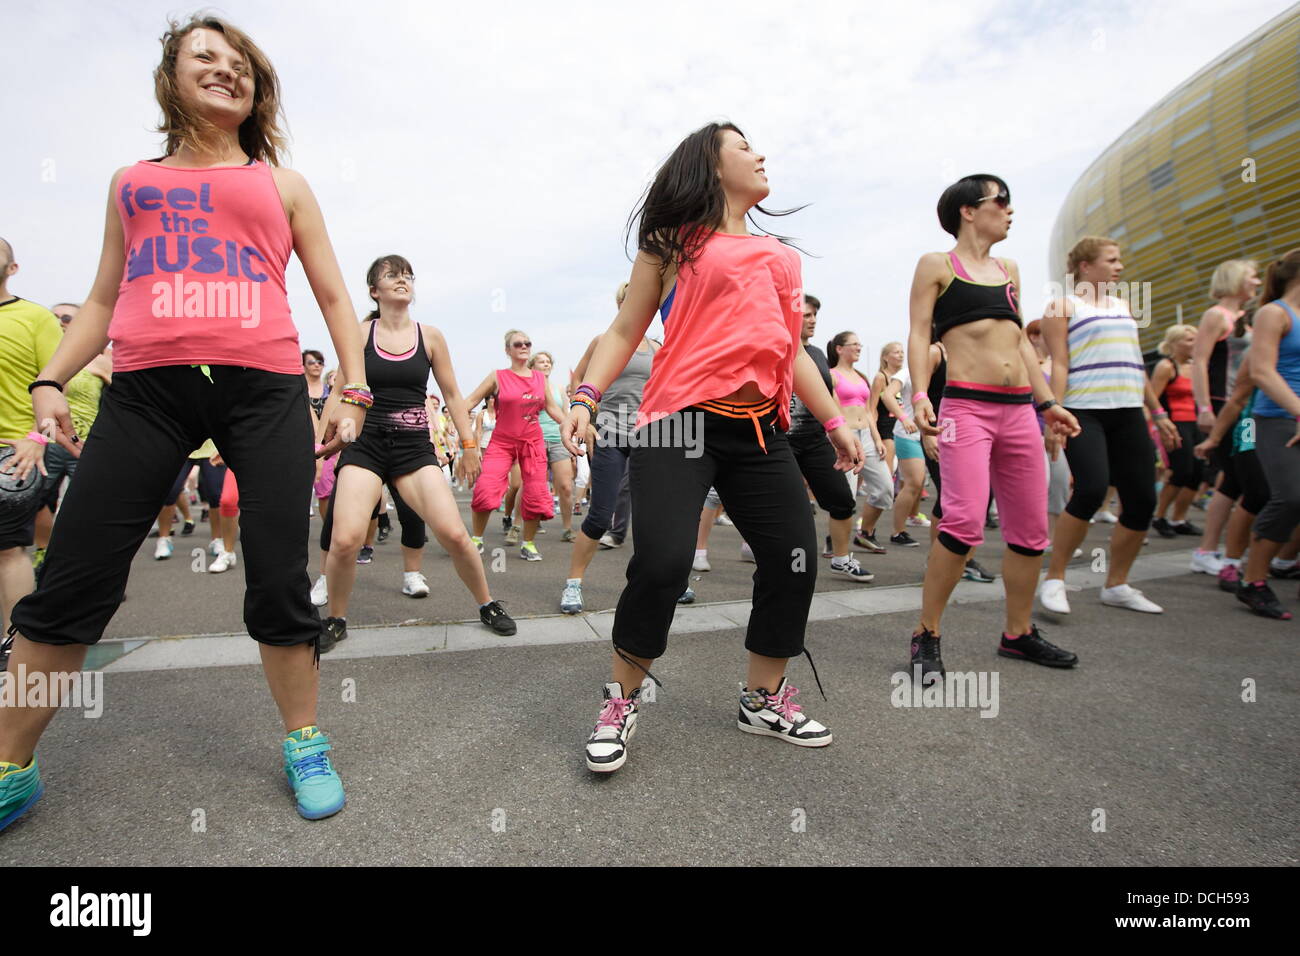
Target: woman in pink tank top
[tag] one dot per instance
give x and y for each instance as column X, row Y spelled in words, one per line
column 713, row 413
column 521, row 396
column 191, row 289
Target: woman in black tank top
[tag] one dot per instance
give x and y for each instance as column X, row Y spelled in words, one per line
column 395, row 447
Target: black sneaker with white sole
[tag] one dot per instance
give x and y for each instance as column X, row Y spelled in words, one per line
column 332, row 630
column 494, row 616
column 776, row 715
column 904, row 540
column 1259, row 597
column 852, row 570
column 607, row 745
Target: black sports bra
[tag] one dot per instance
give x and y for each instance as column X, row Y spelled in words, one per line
column 965, row 300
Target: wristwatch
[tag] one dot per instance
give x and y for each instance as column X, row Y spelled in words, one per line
column 1044, row 406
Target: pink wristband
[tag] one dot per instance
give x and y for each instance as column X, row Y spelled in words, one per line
column 38, row 438
column 319, row 449
column 918, row 396
column 833, row 423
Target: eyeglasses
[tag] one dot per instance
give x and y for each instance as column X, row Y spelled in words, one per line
column 313, row 362
column 521, row 345
column 1002, row 198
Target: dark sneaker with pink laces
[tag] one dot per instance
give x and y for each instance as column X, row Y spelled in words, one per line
column 1229, row 578
column 776, row 715
column 607, row 745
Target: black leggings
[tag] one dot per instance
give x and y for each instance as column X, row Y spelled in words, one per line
column 149, row 421
column 765, row 497
column 1278, row 518
column 815, row 456
column 1113, row 448
column 1188, row 470
column 1244, row 479
column 608, row 467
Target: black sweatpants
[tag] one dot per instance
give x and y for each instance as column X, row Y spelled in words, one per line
column 149, row 422
column 765, row 497
column 1112, row 448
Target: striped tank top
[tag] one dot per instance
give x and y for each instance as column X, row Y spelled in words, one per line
column 1106, row 369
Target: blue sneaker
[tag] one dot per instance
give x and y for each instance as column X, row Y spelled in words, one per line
column 20, row 788
column 315, row 782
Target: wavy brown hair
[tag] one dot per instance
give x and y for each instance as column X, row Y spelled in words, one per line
column 260, row 135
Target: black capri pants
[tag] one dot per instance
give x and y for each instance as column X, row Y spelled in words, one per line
column 1113, row 448
column 608, row 468
column 1244, row 480
column 1278, row 518
column 765, row 497
column 815, row 456
column 1188, row 471
column 149, row 422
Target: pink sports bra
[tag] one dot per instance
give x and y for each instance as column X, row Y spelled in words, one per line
column 850, row 393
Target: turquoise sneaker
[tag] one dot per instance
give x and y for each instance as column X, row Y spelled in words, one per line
column 20, row 788
column 315, row 782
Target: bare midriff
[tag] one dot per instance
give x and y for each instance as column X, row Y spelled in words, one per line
column 745, row 395
column 986, row 352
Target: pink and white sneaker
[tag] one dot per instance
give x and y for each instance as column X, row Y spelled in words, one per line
column 607, row 745
column 776, row 715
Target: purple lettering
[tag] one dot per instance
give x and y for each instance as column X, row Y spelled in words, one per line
column 232, row 259
column 207, row 260
column 200, row 226
column 180, row 198
column 125, row 195
column 149, row 198
column 165, row 219
column 180, row 223
column 182, row 252
column 205, row 203
column 246, row 265
column 140, row 262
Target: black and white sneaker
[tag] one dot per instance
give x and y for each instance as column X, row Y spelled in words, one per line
column 852, row 570
column 607, row 745
column 776, row 715
column 332, row 630
column 494, row 616
column 904, row 540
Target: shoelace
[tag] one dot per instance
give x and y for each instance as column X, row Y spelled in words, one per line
column 312, row 765
column 784, row 704
column 614, row 713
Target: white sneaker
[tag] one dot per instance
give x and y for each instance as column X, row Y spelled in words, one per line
column 918, row 521
column 701, row 563
column 163, row 549
column 224, row 562
column 1206, row 562
column 1052, row 596
column 414, row 585
column 1126, row 596
column 320, row 595
column 215, row 547
column 776, row 715
column 747, row 553
column 1105, row 517
column 723, row 520
column 609, row 542
column 571, row 599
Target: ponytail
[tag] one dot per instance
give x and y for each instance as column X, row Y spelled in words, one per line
column 1280, row 275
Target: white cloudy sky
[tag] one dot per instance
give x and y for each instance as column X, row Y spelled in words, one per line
column 500, row 147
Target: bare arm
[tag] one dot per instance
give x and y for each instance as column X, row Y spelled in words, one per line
column 1163, row 375
column 926, row 283
column 1213, row 325
column 485, row 388
column 583, row 362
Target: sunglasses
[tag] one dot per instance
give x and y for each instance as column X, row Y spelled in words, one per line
column 521, row 345
column 312, row 362
column 1002, row 198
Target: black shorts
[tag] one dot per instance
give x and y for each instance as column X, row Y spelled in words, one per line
column 389, row 453
column 18, row 519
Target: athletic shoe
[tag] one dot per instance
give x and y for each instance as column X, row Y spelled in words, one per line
column 494, row 616
column 747, row 553
column 541, row 529
column 332, row 630
column 991, row 522
column 723, row 520
column 382, row 537
column 478, row 543
column 315, row 783
column 1032, row 647
column 1187, row 528
column 153, row 531
column 224, row 562
column 1206, row 562
column 973, row 572
column 187, row 529
column 776, row 715
column 507, row 523
column 868, row 543
column 577, row 510
column 688, row 596
column 203, row 516
column 608, row 541
column 414, row 585
column 1126, row 596
column 571, row 599
column 512, row 536
column 701, row 563
column 38, row 558
column 320, row 595
column 828, row 551
column 366, row 555
column 1229, row 578
column 1261, row 600
column 926, row 655
column 20, row 788
column 215, row 548
column 1291, row 573
column 1105, row 517
column 163, row 550
column 568, row 535
column 904, row 540
column 1051, row 594
column 918, row 520
column 1163, row 528
column 852, row 570
column 607, row 745
column 528, row 551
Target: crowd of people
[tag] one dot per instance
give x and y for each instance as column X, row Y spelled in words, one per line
column 1028, row 428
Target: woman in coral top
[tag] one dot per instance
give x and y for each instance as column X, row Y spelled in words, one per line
column 191, row 290
column 714, row 412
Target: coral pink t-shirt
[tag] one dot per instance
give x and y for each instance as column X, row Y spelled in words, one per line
column 736, row 317
column 519, row 404
column 206, row 251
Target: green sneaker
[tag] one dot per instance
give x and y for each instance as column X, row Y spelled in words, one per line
column 20, row 788
column 315, row 782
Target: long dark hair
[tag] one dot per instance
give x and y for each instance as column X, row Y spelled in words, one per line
column 1280, row 275
column 685, row 204
column 376, row 269
column 833, row 351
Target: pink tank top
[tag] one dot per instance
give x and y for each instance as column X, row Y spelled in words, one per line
column 519, row 403
column 206, row 251
column 736, row 318
column 851, row 393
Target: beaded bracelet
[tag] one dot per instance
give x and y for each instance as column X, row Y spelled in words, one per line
column 584, row 401
column 833, row 423
column 359, row 386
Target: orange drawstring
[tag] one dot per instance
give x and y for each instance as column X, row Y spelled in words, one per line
column 751, row 411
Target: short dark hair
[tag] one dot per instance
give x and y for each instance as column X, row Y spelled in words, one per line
column 812, row 302
column 312, row 352
column 967, row 191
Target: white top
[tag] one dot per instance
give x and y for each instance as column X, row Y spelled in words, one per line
column 905, row 396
